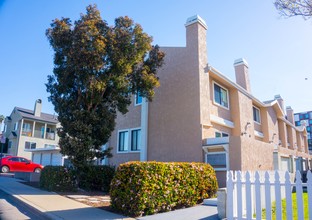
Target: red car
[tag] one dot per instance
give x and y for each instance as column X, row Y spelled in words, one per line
column 18, row 164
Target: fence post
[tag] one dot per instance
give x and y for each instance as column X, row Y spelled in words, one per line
column 299, row 195
column 309, row 188
column 248, row 197
column 289, row 212
column 229, row 200
column 268, row 206
column 258, row 196
column 239, row 195
column 278, row 198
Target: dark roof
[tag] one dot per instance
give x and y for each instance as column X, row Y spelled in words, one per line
column 268, row 102
column 26, row 113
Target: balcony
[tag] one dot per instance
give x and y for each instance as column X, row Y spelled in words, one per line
column 50, row 135
column 27, row 133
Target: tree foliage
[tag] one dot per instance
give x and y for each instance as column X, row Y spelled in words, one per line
column 96, row 70
column 290, row 8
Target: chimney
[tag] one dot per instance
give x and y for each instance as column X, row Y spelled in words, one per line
column 195, row 31
column 280, row 101
column 38, row 106
column 242, row 73
column 290, row 114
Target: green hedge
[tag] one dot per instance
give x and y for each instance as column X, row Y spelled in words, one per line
column 58, row 178
column 96, row 177
column 144, row 188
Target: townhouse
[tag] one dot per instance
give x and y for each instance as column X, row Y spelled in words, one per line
column 198, row 114
column 32, row 134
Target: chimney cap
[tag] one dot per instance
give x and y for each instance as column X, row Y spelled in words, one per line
column 288, row 108
column 240, row 61
column 195, row 19
column 278, row 96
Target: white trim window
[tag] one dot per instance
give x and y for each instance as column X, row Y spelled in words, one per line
column 15, row 126
column 123, row 141
column 220, row 96
column 135, row 139
column 138, row 99
column 220, row 134
column 256, row 114
column 129, row 140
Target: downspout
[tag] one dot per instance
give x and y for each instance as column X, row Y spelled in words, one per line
column 144, row 129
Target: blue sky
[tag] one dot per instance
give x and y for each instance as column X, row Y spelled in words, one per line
column 278, row 50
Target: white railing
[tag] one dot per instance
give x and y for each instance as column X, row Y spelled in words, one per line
column 250, row 192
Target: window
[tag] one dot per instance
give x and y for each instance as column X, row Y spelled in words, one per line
column 297, row 123
column 26, row 130
column 301, row 116
column 306, row 116
column 123, row 138
column 30, row 145
column 129, row 140
column 10, row 144
column 310, row 121
column 138, row 99
column 221, row 134
column 308, row 128
column 15, row 126
column 221, row 96
column 256, row 114
column 135, row 139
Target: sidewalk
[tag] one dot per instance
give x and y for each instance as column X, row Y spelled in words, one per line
column 58, row 207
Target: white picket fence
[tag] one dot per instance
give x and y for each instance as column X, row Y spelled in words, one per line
column 250, row 192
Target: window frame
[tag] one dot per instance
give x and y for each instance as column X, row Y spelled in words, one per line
column 138, row 140
column 227, row 96
column 15, row 127
column 221, row 133
column 129, row 150
column 136, row 98
column 258, row 109
column 30, row 144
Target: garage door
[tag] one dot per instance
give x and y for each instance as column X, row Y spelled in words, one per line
column 46, row 159
column 56, row 159
column 285, row 164
column 36, row 158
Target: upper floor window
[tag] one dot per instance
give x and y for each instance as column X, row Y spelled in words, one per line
column 15, row 126
column 138, row 99
column 256, row 114
column 221, row 96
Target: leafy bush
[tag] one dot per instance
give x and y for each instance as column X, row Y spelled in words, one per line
column 58, row 178
column 96, row 177
column 144, row 188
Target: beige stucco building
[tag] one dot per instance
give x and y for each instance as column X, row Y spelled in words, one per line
column 198, row 114
column 32, row 134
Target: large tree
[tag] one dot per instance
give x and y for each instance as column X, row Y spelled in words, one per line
column 97, row 68
column 290, row 8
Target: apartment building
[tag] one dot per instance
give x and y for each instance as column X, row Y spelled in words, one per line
column 305, row 119
column 32, row 134
column 198, row 114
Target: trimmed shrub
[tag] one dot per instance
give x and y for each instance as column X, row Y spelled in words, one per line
column 58, row 178
column 96, row 177
column 144, row 188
